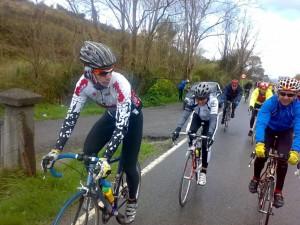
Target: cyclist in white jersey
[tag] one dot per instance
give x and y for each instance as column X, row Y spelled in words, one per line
column 205, row 108
column 122, row 121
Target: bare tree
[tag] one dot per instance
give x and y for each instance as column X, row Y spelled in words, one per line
column 132, row 13
column 201, row 17
column 157, row 12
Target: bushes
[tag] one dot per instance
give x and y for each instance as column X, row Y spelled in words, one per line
column 163, row 91
column 210, row 72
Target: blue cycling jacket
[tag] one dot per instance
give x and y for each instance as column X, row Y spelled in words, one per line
column 279, row 118
column 231, row 95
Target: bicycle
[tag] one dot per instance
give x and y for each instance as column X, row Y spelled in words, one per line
column 192, row 166
column 89, row 200
column 266, row 185
column 227, row 115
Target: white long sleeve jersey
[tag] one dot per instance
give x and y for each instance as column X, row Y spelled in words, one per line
column 119, row 99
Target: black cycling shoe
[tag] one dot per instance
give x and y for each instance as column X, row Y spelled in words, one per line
column 223, row 121
column 278, row 200
column 253, row 186
column 250, row 133
column 232, row 115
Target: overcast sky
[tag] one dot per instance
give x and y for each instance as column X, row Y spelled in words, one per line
column 278, row 44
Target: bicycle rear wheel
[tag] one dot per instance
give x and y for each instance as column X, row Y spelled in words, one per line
column 78, row 210
column 265, row 203
column 186, row 179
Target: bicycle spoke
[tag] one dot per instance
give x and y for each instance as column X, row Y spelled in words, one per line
column 265, row 202
column 78, row 210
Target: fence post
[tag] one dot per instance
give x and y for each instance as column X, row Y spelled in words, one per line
column 18, row 130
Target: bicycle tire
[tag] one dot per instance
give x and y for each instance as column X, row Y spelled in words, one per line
column 79, row 209
column 187, row 175
column 266, row 203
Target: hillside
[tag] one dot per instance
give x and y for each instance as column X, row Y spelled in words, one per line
column 39, row 46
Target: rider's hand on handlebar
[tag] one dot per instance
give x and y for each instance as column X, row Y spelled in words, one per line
column 175, row 134
column 210, row 139
column 251, row 108
column 103, row 167
column 293, row 157
column 48, row 160
column 260, row 150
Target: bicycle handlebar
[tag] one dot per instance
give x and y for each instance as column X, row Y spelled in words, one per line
column 194, row 135
column 79, row 157
column 70, row 155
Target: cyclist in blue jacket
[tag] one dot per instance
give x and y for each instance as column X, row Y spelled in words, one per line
column 279, row 116
column 232, row 93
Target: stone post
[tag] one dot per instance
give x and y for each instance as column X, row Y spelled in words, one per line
column 18, row 130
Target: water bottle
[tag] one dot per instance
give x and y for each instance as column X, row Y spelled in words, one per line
column 107, row 191
column 197, row 152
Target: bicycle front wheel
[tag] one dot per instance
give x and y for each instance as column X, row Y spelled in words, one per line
column 266, row 202
column 78, row 210
column 186, row 179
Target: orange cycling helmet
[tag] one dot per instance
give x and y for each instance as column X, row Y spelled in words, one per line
column 263, row 85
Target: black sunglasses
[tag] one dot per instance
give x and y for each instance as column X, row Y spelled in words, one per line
column 283, row 94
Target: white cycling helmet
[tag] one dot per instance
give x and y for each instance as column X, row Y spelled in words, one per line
column 288, row 84
column 202, row 90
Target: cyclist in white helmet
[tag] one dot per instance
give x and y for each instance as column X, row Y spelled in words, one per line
column 122, row 122
column 279, row 116
column 205, row 108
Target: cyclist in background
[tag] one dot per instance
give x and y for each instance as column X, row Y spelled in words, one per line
column 258, row 96
column 279, row 116
column 247, row 87
column 123, row 120
column 205, row 108
column 232, row 93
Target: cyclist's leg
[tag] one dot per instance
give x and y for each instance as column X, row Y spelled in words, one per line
column 284, row 143
column 130, row 151
column 224, row 111
column 233, row 107
column 204, row 148
column 195, row 125
column 99, row 135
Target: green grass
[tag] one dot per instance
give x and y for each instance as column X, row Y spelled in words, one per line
column 35, row 201
column 45, row 111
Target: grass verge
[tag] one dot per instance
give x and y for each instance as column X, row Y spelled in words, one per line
column 35, row 201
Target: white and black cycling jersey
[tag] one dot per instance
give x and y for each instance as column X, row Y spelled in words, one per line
column 207, row 112
column 118, row 98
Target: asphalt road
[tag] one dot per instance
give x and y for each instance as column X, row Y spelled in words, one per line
column 159, row 122
column 225, row 199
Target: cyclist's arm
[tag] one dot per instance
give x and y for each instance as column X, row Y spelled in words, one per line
column 263, row 118
column 186, row 112
column 253, row 98
column 122, row 116
column 213, row 118
column 296, row 141
column 269, row 93
column 77, row 102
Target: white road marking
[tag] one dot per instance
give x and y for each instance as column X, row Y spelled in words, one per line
column 162, row 157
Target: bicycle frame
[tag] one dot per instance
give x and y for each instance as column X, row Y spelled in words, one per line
column 227, row 115
column 192, row 166
column 91, row 186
